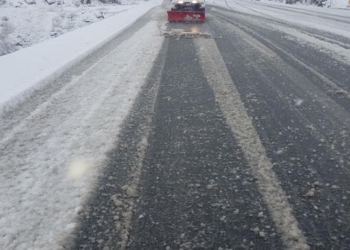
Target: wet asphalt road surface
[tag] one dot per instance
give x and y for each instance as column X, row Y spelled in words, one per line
column 180, row 176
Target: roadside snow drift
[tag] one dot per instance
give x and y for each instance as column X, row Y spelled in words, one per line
column 51, row 158
column 23, row 25
column 26, row 70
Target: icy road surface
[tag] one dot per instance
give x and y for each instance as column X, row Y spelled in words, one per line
column 234, row 137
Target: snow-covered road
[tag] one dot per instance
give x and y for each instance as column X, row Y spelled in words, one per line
column 152, row 143
column 336, row 21
column 52, row 152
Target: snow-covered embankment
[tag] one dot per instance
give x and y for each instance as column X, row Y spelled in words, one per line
column 24, row 71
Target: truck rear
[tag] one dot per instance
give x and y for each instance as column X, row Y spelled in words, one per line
column 187, row 11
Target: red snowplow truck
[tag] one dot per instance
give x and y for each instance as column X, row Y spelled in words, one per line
column 187, row 11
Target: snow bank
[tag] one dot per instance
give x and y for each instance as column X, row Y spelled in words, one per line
column 27, row 22
column 339, row 3
column 330, row 3
column 51, row 158
column 31, row 24
column 24, row 71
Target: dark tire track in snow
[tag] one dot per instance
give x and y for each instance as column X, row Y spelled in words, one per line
column 106, row 220
column 336, row 38
column 196, row 189
column 303, row 128
column 198, row 162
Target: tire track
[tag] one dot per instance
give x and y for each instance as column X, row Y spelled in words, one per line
column 336, row 38
column 106, row 221
column 336, row 89
column 230, row 102
column 196, row 191
column 299, row 126
column 328, row 17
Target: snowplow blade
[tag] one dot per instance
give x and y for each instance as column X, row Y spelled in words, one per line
column 186, row 16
